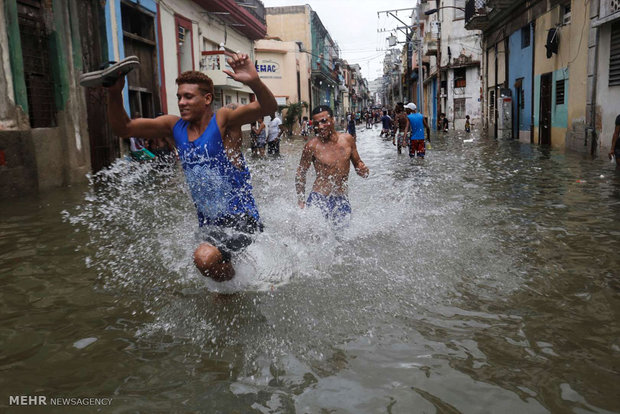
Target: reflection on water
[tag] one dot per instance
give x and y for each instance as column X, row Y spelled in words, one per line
column 480, row 279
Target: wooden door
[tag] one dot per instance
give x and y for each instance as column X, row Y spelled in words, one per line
column 104, row 148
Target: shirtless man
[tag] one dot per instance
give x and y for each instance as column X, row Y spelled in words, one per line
column 331, row 153
column 209, row 146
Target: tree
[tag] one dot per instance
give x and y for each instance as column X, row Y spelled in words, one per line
column 293, row 114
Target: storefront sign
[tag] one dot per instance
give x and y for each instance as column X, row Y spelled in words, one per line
column 268, row 69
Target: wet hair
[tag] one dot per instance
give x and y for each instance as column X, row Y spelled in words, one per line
column 305, row 118
column 322, row 108
column 192, row 77
column 384, row 112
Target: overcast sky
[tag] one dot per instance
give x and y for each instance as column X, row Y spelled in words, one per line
column 353, row 25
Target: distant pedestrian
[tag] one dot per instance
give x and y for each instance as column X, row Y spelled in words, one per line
column 304, row 127
column 442, row 123
column 615, row 143
column 418, row 124
column 274, row 134
column 401, row 127
column 467, row 124
column 260, row 131
column 386, row 123
column 351, row 125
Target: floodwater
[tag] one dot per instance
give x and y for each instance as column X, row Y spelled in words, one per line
column 482, row 279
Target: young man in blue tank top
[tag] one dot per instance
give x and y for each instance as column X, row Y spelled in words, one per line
column 418, row 124
column 209, row 148
column 332, row 154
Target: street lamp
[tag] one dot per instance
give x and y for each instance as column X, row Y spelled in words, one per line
column 433, row 11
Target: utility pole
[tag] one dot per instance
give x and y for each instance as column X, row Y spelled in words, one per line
column 420, row 66
column 438, row 63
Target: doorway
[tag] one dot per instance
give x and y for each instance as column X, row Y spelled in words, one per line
column 104, row 147
column 544, row 133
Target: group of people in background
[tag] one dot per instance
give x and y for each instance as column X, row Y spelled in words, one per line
column 159, row 149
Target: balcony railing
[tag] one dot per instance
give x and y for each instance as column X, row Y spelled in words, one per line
column 476, row 15
column 430, row 43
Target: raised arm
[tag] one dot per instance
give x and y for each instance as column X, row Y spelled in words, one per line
column 124, row 127
column 358, row 164
column 245, row 72
column 302, row 170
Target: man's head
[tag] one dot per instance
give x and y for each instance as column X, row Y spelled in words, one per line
column 194, row 94
column 399, row 107
column 322, row 121
column 273, row 116
column 410, row 107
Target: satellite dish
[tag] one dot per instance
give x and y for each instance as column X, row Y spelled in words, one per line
column 553, row 41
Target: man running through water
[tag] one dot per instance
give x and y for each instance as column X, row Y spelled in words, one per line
column 209, row 147
column 332, row 153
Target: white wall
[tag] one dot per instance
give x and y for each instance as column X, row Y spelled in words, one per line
column 607, row 97
column 202, row 26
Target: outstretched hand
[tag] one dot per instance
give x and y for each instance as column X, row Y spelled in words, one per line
column 243, row 68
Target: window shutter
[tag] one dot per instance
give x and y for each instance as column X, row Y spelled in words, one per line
column 614, row 55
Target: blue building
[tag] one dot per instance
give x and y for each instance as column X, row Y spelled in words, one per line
column 520, row 69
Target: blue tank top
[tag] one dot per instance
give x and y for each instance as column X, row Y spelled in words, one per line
column 416, row 120
column 220, row 190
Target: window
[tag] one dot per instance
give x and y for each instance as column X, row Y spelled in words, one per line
column 228, row 100
column 460, row 108
column 492, row 104
column 614, row 55
column 559, row 92
column 525, row 36
column 137, row 23
column 565, row 10
column 37, row 65
column 184, row 44
column 244, row 101
column 460, row 12
column 460, row 77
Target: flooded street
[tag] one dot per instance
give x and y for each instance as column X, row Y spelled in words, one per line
column 482, row 279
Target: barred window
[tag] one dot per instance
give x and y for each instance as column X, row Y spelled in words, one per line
column 614, row 55
column 559, row 91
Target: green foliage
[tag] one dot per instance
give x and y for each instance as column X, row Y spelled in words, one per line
column 293, row 113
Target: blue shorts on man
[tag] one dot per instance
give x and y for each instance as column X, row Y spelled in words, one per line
column 336, row 209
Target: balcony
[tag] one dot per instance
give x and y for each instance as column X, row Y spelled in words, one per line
column 248, row 18
column 476, row 15
column 212, row 64
column 430, row 44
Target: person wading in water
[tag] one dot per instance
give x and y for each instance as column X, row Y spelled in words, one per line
column 332, row 153
column 218, row 179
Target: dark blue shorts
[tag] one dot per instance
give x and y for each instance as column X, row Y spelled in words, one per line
column 336, row 209
column 231, row 234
